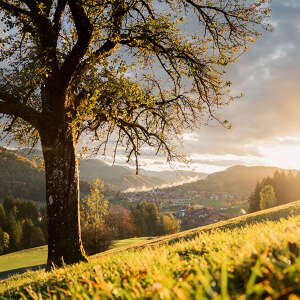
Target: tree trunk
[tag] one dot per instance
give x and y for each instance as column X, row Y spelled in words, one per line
column 62, row 196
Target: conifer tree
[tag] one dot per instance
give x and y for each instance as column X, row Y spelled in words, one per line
column 14, row 230
column 254, row 199
column 2, row 216
column 267, row 197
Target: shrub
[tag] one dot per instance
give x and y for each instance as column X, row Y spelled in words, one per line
column 96, row 237
column 122, row 221
column 169, row 224
column 4, row 241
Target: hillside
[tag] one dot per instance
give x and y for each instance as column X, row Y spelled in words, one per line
column 238, row 180
column 23, row 177
column 247, row 259
column 35, row 258
column 115, row 177
column 20, row 176
column 123, row 178
column 118, row 177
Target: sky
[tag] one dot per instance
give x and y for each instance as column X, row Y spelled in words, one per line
column 266, row 120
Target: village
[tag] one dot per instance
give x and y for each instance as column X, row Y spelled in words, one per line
column 194, row 208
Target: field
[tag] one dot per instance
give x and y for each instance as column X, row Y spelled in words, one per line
column 22, row 259
column 250, row 257
column 35, row 258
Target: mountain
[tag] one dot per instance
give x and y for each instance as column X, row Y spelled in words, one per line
column 20, row 176
column 117, row 177
column 123, row 178
column 175, row 176
column 23, row 177
column 238, row 180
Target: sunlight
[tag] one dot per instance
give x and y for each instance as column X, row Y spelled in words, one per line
column 284, row 156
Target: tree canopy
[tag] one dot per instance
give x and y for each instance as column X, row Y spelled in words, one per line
column 139, row 70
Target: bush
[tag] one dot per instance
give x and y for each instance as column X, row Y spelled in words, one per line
column 4, row 241
column 122, row 221
column 169, row 224
column 96, row 237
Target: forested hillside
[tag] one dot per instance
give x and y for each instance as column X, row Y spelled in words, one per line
column 238, row 179
column 23, row 177
column 20, row 176
column 116, row 178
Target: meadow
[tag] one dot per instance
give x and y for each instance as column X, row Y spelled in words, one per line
column 251, row 257
column 36, row 257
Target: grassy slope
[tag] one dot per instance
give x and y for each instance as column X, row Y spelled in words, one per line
column 243, row 259
column 38, row 255
column 23, row 258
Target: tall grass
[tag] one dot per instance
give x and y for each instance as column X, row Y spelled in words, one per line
column 257, row 261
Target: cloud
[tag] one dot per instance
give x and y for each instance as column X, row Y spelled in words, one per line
column 268, row 77
column 268, row 114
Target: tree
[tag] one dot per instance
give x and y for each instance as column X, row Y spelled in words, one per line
column 2, row 216
column 267, row 197
column 169, row 224
column 94, row 206
column 27, row 209
column 9, row 205
column 14, row 230
column 4, row 241
column 254, row 199
column 32, row 235
column 147, row 218
column 122, row 221
column 116, row 68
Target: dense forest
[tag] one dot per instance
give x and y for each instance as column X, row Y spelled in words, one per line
column 22, row 225
column 281, row 188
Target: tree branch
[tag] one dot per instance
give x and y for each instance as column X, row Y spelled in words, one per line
column 14, row 9
column 61, row 4
column 10, row 105
column 84, row 31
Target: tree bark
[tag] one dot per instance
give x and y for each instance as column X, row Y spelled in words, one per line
column 62, row 196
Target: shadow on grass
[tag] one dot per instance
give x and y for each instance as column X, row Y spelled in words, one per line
column 8, row 273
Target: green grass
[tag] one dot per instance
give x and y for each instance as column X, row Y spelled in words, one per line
column 23, row 258
column 250, row 257
column 38, row 256
column 129, row 242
